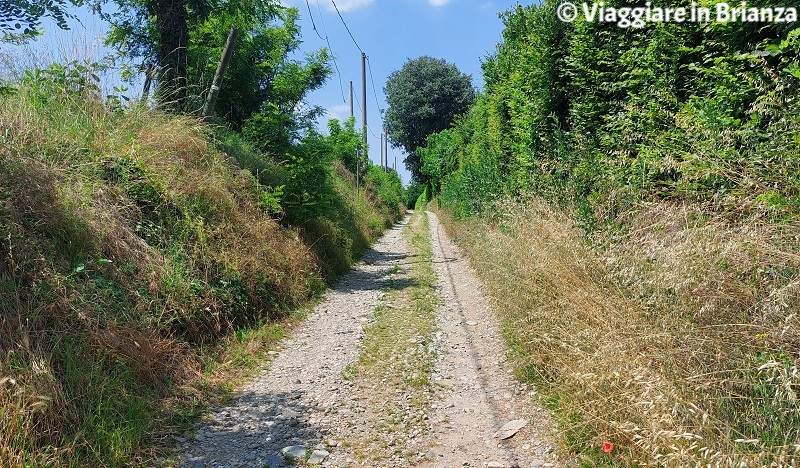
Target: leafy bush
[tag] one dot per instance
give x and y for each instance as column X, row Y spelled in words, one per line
column 599, row 117
column 131, row 246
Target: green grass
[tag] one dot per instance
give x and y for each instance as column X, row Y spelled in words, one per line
column 397, row 352
column 144, row 273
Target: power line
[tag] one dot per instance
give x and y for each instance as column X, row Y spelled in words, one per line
column 358, row 101
column 313, row 25
column 362, row 51
column 375, row 93
column 345, row 27
column 338, row 73
column 333, row 54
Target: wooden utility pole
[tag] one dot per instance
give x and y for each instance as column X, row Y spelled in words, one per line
column 364, row 98
column 213, row 94
column 382, row 167
column 358, row 170
column 351, row 99
column 386, row 146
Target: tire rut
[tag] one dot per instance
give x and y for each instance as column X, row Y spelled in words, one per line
column 479, row 394
column 303, row 399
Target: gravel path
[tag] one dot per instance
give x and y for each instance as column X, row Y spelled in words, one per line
column 479, row 395
column 303, row 406
column 298, row 400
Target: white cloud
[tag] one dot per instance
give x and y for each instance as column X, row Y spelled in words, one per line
column 339, row 111
column 438, row 3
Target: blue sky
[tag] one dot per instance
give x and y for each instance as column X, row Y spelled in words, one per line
column 390, row 32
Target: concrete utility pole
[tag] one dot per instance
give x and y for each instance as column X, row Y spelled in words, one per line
column 364, row 97
column 208, row 108
column 351, row 99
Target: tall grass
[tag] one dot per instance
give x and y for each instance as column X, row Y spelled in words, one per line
column 137, row 258
column 673, row 335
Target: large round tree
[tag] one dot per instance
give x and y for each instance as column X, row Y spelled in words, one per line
column 424, row 97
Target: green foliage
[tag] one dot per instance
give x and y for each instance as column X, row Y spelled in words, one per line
column 599, row 116
column 413, row 191
column 346, row 142
column 424, row 97
column 422, row 200
column 309, row 192
column 263, row 81
column 389, row 189
column 131, row 245
column 25, row 16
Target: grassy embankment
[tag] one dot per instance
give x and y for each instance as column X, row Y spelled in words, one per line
column 143, row 270
column 672, row 334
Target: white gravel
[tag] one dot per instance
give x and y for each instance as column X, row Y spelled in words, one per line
column 303, row 402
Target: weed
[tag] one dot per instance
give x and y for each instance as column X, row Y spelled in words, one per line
column 675, row 340
column 143, row 271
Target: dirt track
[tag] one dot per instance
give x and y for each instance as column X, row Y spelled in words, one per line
column 303, row 402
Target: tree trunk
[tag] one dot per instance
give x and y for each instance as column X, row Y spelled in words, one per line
column 172, row 57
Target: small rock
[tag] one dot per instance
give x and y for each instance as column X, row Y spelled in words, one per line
column 494, row 464
column 295, row 451
column 432, row 455
column 510, row 428
column 317, row 457
column 274, row 461
column 470, row 323
column 536, row 463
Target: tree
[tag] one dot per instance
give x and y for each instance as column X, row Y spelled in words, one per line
column 424, row 97
column 158, row 30
column 24, row 16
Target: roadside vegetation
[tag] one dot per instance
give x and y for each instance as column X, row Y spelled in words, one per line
column 150, row 258
column 630, row 198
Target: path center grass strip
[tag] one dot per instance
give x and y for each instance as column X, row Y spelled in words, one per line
column 398, row 357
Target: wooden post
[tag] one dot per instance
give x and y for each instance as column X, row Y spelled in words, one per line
column 351, row 99
column 148, row 80
column 208, row 108
column 358, row 169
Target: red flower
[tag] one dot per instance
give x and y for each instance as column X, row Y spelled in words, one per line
column 608, row 447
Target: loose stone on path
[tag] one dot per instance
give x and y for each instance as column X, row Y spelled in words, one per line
column 295, row 402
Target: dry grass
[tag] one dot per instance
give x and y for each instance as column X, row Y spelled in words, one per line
column 675, row 338
column 138, row 273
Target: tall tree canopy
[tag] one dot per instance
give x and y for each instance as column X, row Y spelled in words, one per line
column 424, row 97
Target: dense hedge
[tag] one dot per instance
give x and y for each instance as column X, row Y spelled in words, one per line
column 601, row 116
